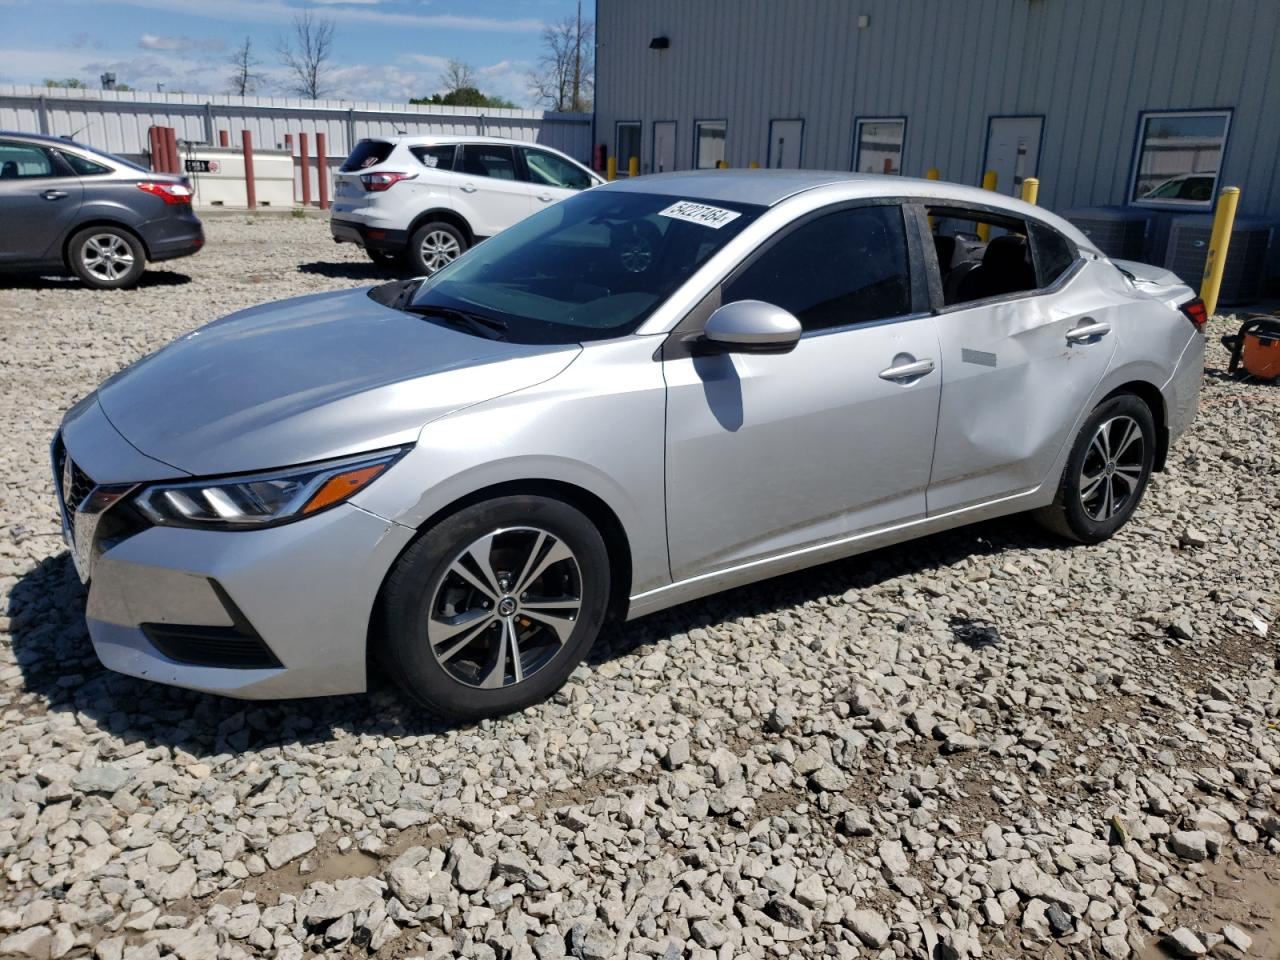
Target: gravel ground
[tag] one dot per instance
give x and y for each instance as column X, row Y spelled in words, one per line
column 831, row 764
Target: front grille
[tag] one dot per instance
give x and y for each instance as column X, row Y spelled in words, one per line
column 73, row 483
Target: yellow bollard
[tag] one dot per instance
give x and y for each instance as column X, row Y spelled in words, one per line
column 633, row 167
column 1219, row 240
column 722, row 165
column 753, row 165
column 989, row 180
column 612, row 168
column 932, row 174
column 1030, row 189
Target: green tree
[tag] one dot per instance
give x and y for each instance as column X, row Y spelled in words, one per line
column 70, row 83
column 458, row 81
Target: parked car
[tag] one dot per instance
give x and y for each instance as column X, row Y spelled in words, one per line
column 65, row 206
column 649, row 392
column 424, row 200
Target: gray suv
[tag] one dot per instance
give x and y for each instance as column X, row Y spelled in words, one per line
column 64, row 205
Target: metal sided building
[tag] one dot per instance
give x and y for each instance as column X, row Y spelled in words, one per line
column 1133, row 114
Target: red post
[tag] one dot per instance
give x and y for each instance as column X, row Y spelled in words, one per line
column 250, row 190
column 322, row 170
column 171, row 150
column 224, row 138
column 153, row 142
column 306, row 170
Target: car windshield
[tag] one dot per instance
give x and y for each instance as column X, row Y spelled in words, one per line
column 591, row 267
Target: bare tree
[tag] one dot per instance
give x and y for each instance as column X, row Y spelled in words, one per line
column 457, row 76
column 307, row 54
column 563, row 79
column 244, row 78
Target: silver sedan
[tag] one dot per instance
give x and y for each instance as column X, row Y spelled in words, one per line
column 652, row 391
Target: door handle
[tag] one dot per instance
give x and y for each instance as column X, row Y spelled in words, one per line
column 544, row 197
column 1089, row 329
column 54, row 194
column 468, row 188
column 908, row 371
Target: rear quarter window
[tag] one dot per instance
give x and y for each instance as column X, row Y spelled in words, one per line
column 1054, row 253
column 367, row 153
column 82, row 166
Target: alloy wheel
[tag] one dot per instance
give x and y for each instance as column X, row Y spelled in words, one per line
column 505, row 607
column 439, row 249
column 106, row 256
column 1113, row 467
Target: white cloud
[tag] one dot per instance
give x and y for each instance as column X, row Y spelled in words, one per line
column 181, row 44
column 364, row 3
column 276, row 11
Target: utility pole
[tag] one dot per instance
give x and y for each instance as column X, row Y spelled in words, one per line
column 576, row 104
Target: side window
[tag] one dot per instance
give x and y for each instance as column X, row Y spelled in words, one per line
column 1054, row 253
column 82, row 166
column 552, row 171
column 981, row 255
column 22, row 160
column 494, row 160
column 439, row 157
column 846, row 267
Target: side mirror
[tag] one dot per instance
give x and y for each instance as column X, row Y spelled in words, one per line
column 752, row 326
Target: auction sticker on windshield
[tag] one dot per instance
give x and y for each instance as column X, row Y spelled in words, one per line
column 708, row 216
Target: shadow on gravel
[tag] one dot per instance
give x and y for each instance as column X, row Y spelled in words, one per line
column 152, row 278
column 352, row 271
column 52, row 648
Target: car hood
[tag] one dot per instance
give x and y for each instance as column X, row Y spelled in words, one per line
column 310, row 378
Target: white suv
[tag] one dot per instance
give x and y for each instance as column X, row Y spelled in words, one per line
column 427, row 199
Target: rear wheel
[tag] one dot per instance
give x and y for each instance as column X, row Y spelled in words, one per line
column 490, row 610
column 107, row 258
column 433, row 246
column 1106, row 473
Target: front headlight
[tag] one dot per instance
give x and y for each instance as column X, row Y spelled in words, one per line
column 262, row 499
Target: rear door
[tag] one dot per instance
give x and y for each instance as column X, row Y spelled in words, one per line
column 488, row 190
column 1017, row 367
column 39, row 199
column 773, row 452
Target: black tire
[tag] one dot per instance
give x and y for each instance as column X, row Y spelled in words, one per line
column 1081, row 512
column 425, row 590
column 386, row 258
column 106, row 258
column 438, row 236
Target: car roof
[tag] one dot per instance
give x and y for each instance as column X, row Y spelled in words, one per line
column 457, row 138
column 42, row 137
column 771, row 187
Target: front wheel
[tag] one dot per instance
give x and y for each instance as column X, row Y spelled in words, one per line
column 491, row 609
column 433, row 246
column 1106, row 473
column 107, row 258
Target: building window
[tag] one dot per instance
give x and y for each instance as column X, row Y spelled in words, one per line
column 1179, row 157
column 708, row 143
column 877, row 145
column 628, row 143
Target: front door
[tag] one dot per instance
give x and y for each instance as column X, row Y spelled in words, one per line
column 39, row 200
column 785, row 138
column 1013, row 151
column 489, row 192
column 664, row 146
column 772, row 452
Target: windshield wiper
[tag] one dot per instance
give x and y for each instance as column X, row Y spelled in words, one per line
column 490, row 327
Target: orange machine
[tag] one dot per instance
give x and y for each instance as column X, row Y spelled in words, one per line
column 1256, row 348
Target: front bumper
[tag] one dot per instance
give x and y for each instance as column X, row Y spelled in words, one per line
column 273, row 613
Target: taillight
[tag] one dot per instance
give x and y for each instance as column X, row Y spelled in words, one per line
column 168, row 192
column 1195, row 311
column 377, row 182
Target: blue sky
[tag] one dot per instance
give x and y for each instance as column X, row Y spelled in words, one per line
column 384, row 49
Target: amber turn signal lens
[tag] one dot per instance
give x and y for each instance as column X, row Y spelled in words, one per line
column 338, row 488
